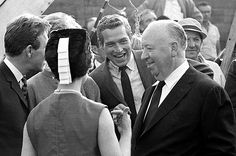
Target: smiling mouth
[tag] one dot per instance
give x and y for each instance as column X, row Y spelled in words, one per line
column 149, row 64
column 120, row 55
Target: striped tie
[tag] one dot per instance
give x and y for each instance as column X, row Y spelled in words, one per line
column 24, row 88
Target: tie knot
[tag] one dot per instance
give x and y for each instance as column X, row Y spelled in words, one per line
column 123, row 68
column 161, row 84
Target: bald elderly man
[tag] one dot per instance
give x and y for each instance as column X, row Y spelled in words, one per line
column 184, row 112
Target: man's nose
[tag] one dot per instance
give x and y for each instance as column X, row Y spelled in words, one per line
column 118, row 48
column 144, row 55
column 191, row 43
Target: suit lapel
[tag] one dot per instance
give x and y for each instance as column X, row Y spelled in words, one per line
column 139, row 121
column 177, row 93
column 12, row 82
column 112, row 87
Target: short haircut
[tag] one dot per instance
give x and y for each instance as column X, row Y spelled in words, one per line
column 23, row 31
column 60, row 20
column 112, row 22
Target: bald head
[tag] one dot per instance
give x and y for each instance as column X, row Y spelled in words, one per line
column 167, row 29
column 164, row 45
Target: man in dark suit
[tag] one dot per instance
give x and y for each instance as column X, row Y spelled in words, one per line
column 25, row 42
column 114, row 35
column 189, row 114
column 230, row 84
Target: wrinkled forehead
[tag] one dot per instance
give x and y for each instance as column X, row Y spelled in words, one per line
column 193, row 34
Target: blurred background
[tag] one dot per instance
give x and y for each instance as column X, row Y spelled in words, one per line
column 222, row 11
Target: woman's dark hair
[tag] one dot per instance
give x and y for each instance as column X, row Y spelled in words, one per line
column 79, row 51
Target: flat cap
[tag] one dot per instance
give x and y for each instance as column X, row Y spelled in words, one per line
column 190, row 24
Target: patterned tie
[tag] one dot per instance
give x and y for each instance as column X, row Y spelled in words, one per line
column 128, row 94
column 24, row 88
column 154, row 102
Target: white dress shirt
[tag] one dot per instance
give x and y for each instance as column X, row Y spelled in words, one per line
column 135, row 80
column 170, row 82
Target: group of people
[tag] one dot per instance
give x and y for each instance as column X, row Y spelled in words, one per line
column 165, row 98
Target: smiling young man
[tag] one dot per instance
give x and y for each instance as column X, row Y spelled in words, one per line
column 114, row 34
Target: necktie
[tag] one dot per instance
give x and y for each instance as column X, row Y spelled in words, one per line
column 154, row 102
column 128, row 94
column 24, row 88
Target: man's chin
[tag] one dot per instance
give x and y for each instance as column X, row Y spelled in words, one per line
column 193, row 57
column 121, row 64
column 155, row 74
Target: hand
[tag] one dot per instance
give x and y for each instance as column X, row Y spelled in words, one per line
column 121, row 118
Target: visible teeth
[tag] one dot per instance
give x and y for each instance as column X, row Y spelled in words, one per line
column 119, row 55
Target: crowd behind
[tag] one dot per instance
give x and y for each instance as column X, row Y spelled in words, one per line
column 73, row 90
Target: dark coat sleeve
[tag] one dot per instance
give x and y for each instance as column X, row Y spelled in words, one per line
column 230, row 85
column 219, row 129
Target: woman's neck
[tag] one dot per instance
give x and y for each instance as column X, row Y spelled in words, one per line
column 76, row 85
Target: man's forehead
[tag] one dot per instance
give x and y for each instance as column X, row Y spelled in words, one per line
column 206, row 7
column 193, row 33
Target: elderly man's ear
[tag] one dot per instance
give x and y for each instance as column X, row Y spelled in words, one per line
column 174, row 49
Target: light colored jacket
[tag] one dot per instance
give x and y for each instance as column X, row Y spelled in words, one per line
column 188, row 8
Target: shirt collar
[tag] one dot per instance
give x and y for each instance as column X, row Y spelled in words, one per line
column 174, row 77
column 13, row 69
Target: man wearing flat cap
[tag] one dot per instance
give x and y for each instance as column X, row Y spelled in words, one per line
column 195, row 37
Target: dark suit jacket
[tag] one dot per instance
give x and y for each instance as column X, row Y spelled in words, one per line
column 230, row 84
column 110, row 94
column 13, row 113
column 195, row 119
